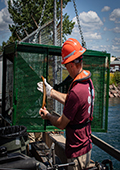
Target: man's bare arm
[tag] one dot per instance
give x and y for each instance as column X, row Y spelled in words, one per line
column 61, row 97
column 60, row 122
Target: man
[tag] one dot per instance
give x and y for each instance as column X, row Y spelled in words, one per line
column 78, row 106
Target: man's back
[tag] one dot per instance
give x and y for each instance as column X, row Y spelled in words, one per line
column 77, row 109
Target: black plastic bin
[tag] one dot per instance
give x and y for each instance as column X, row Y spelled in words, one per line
column 14, row 138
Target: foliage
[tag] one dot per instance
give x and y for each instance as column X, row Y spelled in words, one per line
column 0, row 50
column 111, row 78
column 25, row 15
column 6, row 43
column 115, row 78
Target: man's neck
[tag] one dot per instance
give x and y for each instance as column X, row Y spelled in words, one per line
column 78, row 72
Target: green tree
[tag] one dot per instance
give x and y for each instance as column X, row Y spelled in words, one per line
column 26, row 13
column 0, row 50
column 6, row 43
column 117, row 78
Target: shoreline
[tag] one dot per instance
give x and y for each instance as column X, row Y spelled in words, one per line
column 114, row 91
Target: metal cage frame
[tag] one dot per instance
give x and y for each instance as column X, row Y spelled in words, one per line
column 97, row 62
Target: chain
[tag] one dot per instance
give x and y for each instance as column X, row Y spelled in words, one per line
column 83, row 42
column 39, row 25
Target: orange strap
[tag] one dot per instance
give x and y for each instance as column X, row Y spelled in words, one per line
column 44, row 93
column 84, row 75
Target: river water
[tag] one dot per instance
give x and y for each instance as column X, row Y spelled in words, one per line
column 112, row 136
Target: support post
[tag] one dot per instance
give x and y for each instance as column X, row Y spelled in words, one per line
column 55, row 57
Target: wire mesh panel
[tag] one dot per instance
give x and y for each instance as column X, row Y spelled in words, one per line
column 45, row 35
column 96, row 65
column 51, row 79
column 30, row 62
column 7, row 97
column 28, row 70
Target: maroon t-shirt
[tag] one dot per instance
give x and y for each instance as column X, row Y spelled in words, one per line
column 77, row 109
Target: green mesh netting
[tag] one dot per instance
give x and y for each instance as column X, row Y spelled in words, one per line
column 96, row 65
column 29, row 67
column 30, row 62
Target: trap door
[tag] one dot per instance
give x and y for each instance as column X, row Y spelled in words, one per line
column 23, row 66
column 98, row 64
column 27, row 100
column 30, row 63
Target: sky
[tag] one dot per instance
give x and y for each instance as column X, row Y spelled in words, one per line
column 99, row 20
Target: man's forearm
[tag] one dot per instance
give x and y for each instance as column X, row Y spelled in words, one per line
column 61, row 97
column 55, row 120
column 60, row 122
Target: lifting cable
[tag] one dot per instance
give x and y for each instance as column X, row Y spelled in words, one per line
column 80, row 30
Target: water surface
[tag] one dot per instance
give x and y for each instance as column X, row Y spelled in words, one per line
column 112, row 136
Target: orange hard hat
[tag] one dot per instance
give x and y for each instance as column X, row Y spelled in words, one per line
column 71, row 50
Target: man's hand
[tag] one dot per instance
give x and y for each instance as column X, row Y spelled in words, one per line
column 60, row 122
column 48, row 87
column 44, row 113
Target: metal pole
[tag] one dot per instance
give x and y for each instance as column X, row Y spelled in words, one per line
column 55, row 57
column 61, row 25
column 55, row 31
column 61, row 110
